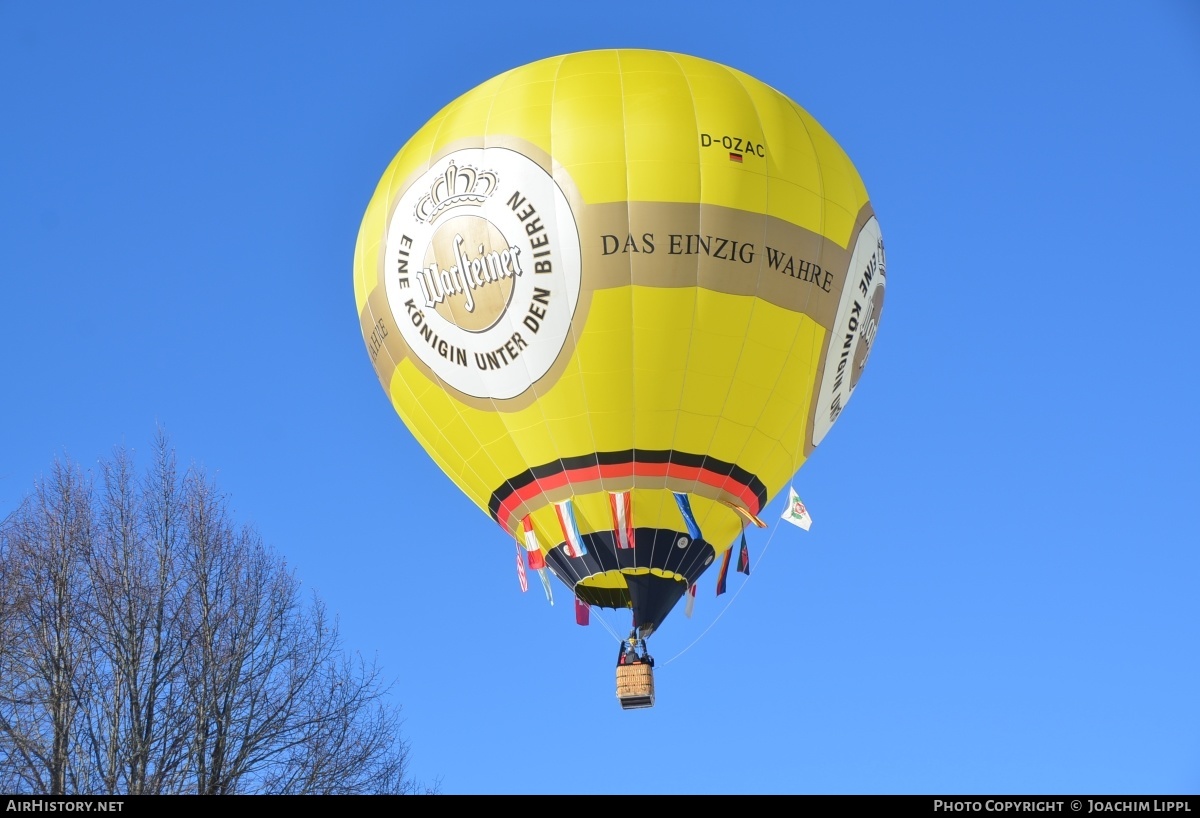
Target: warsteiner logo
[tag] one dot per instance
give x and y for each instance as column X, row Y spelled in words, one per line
column 854, row 327
column 482, row 270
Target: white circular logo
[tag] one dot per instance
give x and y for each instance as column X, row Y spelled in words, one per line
column 483, row 270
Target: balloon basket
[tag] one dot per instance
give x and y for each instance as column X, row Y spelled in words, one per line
column 635, row 686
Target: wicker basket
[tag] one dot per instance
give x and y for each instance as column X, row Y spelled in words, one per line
column 635, row 686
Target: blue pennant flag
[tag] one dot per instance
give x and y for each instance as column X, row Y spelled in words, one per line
column 685, row 508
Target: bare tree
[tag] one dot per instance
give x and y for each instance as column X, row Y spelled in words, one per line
column 149, row 645
column 45, row 664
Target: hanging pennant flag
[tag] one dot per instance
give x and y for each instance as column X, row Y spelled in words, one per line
column 521, row 572
column 795, row 512
column 583, row 613
column 622, row 515
column 572, row 540
column 744, row 558
column 532, row 547
column 546, row 585
column 746, row 513
column 691, row 601
column 685, row 508
column 536, row 561
column 721, row 577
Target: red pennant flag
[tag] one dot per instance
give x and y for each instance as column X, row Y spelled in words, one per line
column 532, row 547
column 721, row 577
column 622, row 517
column 521, row 572
column 583, row 613
column 746, row 513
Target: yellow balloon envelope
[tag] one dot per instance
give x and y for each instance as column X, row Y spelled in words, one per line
column 619, row 297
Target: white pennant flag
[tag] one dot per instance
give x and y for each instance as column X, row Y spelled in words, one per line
column 691, row 601
column 795, row 512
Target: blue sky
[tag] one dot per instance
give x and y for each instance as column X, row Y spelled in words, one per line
column 998, row 593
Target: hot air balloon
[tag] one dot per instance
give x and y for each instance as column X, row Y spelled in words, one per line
column 619, row 297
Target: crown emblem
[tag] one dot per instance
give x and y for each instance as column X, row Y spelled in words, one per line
column 459, row 185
